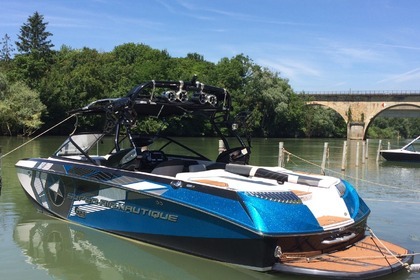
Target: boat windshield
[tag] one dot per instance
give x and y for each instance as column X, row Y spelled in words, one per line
column 413, row 146
column 78, row 144
column 410, row 148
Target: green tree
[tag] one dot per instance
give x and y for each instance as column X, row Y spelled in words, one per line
column 194, row 64
column 6, row 51
column 320, row 121
column 35, row 51
column 277, row 99
column 77, row 78
column 139, row 62
column 20, row 108
column 275, row 107
column 234, row 73
column 414, row 127
column 385, row 127
column 33, row 38
column 71, row 78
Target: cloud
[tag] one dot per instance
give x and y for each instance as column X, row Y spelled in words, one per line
column 68, row 22
column 290, row 69
column 349, row 56
column 412, row 75
column 205, row 12
column 401, row 47
column 357, row 53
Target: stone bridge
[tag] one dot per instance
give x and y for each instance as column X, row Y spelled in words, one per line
column 359, row 108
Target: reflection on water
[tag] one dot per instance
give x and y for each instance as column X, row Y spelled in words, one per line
column 400, row 164
column 68, row 251
column 34, row 246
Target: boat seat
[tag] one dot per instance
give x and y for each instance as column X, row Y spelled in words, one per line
column 115, row 159
column 216, row 165
column 197, row 168
column 172, row 167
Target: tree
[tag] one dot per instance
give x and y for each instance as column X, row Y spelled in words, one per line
column 275, row 107
column 36, row 56
column 139, row 62
column 33, row 38
column 234, row 73
column 385, row 127
column 320, row 121
column 20, row 108
column 194, row 64
column 77, row 78
column 6, row 49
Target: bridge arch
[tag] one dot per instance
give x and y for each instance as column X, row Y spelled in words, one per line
column 388, row 108
column 336, row 109
column 360, row 108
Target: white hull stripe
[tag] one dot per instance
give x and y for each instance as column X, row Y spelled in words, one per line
column 26, row 163
column 146, row 186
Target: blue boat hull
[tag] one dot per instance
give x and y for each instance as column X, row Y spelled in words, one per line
column 165, row 216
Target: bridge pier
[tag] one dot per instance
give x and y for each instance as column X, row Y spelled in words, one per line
column 355, row 130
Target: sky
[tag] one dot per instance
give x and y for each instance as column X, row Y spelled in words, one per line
column 317, row 45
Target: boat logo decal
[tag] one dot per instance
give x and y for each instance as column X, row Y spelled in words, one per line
column 92, row 204
column 56, row 193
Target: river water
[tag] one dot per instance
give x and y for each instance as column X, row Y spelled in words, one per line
column 34, row 246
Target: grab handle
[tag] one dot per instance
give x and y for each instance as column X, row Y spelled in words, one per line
column 339, row 239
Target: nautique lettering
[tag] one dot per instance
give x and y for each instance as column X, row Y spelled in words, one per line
column 121, row 206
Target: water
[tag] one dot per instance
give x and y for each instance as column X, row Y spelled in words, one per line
column 34, row 246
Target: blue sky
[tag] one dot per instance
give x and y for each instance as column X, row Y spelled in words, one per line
column 318, row 45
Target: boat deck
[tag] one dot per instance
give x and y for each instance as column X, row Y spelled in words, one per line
column 331, row 220
column 318, row 199
column 365, row 259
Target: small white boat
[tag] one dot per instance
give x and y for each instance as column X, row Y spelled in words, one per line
column 408, row 153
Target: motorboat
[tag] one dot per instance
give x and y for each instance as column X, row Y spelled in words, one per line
column 408, row 153
column 111, row 175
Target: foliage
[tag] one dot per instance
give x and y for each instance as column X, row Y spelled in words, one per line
column 35, row 54
column 388, row 128
column 323, row 122
column 6, row 50
column 275, row 107
column 33, row 38
column 20, row 108
column 193, row 64
column 68, row 78
column 76, row 78
column 138, row 62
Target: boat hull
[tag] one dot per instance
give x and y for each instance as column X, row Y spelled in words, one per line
column 253, row 253
column 110, row 203
column 366, row 259
column 398, row 155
